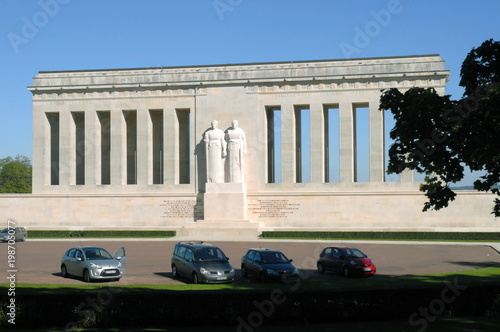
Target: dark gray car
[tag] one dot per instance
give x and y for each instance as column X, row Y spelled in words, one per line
column 201, row 262
column 267, row 264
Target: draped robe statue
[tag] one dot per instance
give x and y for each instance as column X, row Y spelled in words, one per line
column 236, row 149
column 215, row 152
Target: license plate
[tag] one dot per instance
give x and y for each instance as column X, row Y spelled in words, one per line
column 221, row 278
column 367, row 269
column 111, row 272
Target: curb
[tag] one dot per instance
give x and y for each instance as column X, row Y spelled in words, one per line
column 494, row 245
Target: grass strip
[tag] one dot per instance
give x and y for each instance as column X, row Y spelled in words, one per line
column 474, row 277
column 405, row 236
column 63, row 234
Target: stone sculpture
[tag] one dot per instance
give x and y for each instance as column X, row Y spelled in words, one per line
column 215, row 152
column 236, row 148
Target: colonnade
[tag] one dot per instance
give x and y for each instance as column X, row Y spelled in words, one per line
column 155, row 146
column 143, row 127
column 116, row 147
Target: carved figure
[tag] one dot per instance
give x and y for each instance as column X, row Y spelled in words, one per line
column 236, row 148
column 215, row 146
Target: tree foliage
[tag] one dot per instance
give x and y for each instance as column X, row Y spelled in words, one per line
column 440, row 137
column 15, row 175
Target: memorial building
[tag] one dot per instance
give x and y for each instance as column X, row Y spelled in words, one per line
column 231, row 149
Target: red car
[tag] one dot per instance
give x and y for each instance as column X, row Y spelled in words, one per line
column 348, row 261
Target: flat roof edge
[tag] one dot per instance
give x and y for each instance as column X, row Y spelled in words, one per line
column 239, row 64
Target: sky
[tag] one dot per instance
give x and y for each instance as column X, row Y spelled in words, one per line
column 52, row 35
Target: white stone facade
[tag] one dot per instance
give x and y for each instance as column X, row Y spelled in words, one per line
column 125, row 148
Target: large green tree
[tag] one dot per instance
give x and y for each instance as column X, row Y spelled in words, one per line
column 441, row 137
column 15, row 175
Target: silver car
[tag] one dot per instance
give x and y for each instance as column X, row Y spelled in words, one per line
column 19, row 233
column 93, row 263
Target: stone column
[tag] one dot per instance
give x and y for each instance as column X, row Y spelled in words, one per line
column 92, row 147
column 407, row 176
column 288, row 143
column 376, row 142
column 118, row 148
column 346, row 130
column 317, row 143
column 148, row 139
column 144, row 163
column 67, row 155
column 41, row 150
column 170, row 146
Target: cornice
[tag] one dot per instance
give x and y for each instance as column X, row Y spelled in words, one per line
column 191, row 80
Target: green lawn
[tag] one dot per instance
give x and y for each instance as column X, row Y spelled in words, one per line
column 66, row 234
column 270, row 235
column 386, row 236
column 483, row 276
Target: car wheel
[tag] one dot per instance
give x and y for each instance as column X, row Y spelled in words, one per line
column 321, row 268
column 196, row 280
column 346, row 272
column 64, row 271
column 244, row 271
column 86, row 276
column 23, row 238
column 175, row 274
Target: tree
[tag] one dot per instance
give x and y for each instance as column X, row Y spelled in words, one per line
column 440, row 137
column 15, row 175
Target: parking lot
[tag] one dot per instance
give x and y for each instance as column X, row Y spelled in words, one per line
column 148, row 261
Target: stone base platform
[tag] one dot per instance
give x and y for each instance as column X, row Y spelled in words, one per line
column 225, row 202
column 220, row 230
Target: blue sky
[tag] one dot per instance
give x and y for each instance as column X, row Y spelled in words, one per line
column 41, row 35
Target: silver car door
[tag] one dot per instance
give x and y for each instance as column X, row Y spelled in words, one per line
column 120, row 255
column 69, row 261
column 79, row 261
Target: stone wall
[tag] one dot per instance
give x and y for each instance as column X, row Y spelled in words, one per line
column 293, row 211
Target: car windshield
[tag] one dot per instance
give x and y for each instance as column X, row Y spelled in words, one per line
column 354, row 253
column 274, row 258
column 93, row 254
column 210, row 254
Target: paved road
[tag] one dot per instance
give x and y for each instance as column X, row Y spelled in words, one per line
column 148, row 262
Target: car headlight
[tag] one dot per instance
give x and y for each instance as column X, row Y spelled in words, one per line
column 95, row 266
column 269, row 271
column 204, row 271
column 295, row 271
column 352, row 262
column 232, row 271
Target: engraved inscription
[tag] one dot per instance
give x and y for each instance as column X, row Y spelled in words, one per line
column 180, row 209
column 273, row 208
